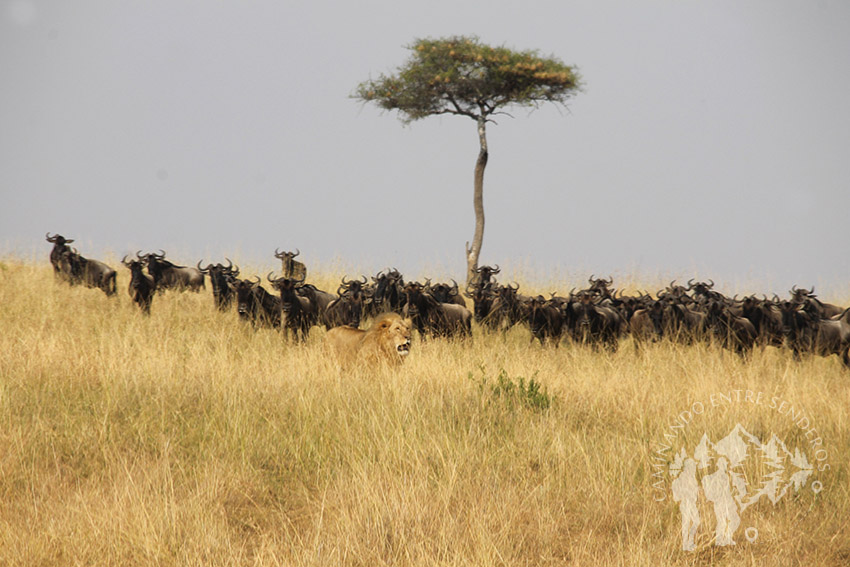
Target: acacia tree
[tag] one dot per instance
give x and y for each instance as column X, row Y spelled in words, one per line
column 462, row 76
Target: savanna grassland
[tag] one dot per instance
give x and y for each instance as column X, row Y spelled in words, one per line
column 187, row 438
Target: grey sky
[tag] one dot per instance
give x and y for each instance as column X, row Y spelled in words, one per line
column 712, row 138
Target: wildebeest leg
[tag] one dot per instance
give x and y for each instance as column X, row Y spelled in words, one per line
column 845, row 358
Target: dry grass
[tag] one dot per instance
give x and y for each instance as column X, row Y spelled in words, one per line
column 186, row 438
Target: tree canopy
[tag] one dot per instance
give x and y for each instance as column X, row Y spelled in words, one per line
column 462, row 76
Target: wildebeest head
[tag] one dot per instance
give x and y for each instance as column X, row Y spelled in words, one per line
column 60, row 245
column 355, row 294
column 220, row 275
column 673, row 291
column 484, row 274
column 389, row 289
column 600, row 286
column 245, row 300
column 703, row 290
column 292, row 268
column 287, row 288
column 444, row 293
column 799, row 295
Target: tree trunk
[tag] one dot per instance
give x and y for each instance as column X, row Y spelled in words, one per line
column 472, row 252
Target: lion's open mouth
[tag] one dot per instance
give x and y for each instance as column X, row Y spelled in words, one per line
column 404, row 349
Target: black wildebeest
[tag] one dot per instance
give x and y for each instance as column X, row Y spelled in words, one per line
column 482, row 297
column 220, row 275
column 255, row 304
column 347, row 309
column 812, row 304
column 60, row 245
column 170, row 276
column 141, row 288
column 733, row 332
column 507, row 308
column 388, row 293
column 445, row 293
column 88, row 272
column 545, row 320
column 298, row 313
column 432, row 318
column 595, row 323
column 766, row 318
column 806, row 333
column 292, row 268
column 484, row 275
column 647, row 323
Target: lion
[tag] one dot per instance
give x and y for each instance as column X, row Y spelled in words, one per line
column 386, row 341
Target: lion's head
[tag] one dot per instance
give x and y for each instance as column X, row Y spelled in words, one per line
column 388, row 339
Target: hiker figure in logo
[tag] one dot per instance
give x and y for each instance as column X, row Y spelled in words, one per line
column 717, row 488
column 685, row 492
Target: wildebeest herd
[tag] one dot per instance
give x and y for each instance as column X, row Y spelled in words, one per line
column 597, row 316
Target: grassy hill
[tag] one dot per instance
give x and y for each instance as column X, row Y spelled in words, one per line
column 187, row 438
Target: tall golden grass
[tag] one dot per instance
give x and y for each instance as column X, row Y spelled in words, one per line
column 187, row 438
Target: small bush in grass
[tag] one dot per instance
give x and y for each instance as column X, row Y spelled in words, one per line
column 530, row 394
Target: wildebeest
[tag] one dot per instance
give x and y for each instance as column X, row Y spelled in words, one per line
column 298, row 313
column 733, row 332
column 482, row 296
column 255, row 304
column 88, row 272
column 484, row 275
column 292, row 268
column 595, row 323
column 432, row 318
column 170, row 276
column 647, row 323
column 766, row 318
column 347, row 308
column 600, row 286
column 811, row 303
column 220, row 275
column 388, row 293
column 507, row 308
column 806, row 333
column 60, row 245
column 141, row 288
column 445, row 293
column 545, row 320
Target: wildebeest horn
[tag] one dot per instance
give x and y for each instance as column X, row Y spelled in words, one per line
column 495, row 270
column 53, row 238
column 258, row 280
column 711, row 284
column 203, row 270
column 297, row 252
column 610, row 280
column 514, row 287
column 124, row 261
column 278, row 253
column 269, row 277
column 364, row 279
column 690, row 283
column 590, row 279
